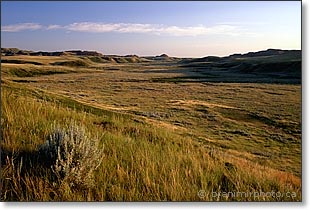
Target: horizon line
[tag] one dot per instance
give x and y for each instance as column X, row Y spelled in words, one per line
column 153, row 55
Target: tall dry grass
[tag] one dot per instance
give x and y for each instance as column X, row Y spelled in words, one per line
column 139, row 162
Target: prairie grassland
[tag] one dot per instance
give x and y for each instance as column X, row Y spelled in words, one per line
column 162, row 140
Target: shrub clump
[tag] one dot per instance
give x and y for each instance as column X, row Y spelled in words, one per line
column 74, row 155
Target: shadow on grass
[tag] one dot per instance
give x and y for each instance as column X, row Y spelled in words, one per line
column 27, row 162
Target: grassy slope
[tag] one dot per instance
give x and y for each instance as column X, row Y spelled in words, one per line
column 142, row 162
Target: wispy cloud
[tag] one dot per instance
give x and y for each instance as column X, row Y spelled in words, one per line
column 54, row 27
column 200, row 30
column 153, row 28
column 158, row 29
column 21, row 27
column 243, row 23
column 92, row 27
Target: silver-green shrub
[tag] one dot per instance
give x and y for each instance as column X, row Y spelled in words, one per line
column 75, row 154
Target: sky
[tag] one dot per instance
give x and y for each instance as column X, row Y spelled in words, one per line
column 182, row 29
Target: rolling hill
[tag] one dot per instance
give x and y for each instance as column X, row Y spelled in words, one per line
column 267, row 66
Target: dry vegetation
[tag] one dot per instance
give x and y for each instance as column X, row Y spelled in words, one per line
column 144, row 134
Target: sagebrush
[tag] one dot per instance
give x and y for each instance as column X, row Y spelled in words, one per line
column 76, row 155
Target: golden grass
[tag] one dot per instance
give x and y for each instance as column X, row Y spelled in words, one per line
column 141, row 162
column 162, row 141
column 46, row 60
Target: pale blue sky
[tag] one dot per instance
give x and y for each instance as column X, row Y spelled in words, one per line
column 185, row 29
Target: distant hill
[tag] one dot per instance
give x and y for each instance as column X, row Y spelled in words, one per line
column 204, row 59
column 267, row 65
column 163, row 57
column 269, row 52
column 266, row 56
column 232, row 61
column 93, row 56
column 16, row 51
column 270, row 55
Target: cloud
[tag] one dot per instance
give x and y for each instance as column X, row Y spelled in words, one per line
column 153, row 29
column 157, row 29
column 54, row 27
column 111, row 27
column 136, row 28
column 200, row 30
column 21, row 27
column 92, row 27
